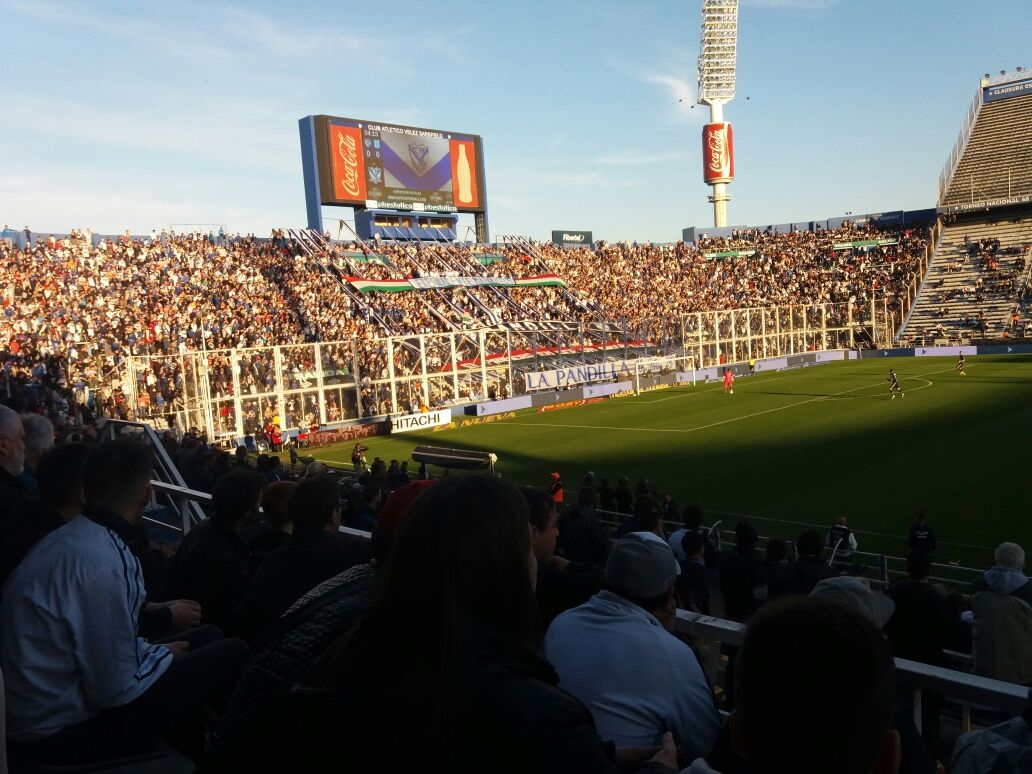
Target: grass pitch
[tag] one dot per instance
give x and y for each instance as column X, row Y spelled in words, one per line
column 798, row 447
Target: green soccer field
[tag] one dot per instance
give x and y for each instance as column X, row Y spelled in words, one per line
column 799, row 447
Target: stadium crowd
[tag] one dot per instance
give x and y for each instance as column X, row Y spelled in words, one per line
column 74, row 309
column 483, row 627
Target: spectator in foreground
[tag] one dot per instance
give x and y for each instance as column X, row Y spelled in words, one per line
column 60, row 476
column 81, row 684
column 634, row 701
column 821, row 725
column 469, row 693
column 582, row 536
column 920, row 630
column 13, row 492
column 1005, row 747
column 39, row 438
column 274, row 529
column 800, row 576
column 249, row 737
column 561, row 584
column 212, row 564
column 1000, row 603
column 691, row 519
column 315, row 551
column 743, row 578
column 698, row 586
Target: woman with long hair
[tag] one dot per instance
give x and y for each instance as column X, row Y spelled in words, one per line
column 442, row 673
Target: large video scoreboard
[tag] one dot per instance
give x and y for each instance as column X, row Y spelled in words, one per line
column 375, row 165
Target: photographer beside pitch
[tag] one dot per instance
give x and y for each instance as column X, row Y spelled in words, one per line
column 358, row 457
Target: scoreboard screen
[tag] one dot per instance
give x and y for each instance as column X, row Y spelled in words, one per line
column 394, row 167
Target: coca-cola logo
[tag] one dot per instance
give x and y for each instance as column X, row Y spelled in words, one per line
column 716, row 143
column 347, row 149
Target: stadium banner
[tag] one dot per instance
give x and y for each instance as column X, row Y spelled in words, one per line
column 539, row 399
column 729, row 254
column 773, row 364
column 443, row 283
column 354, row 255
column 863, row 243
column 500, row 406
column 346, row 433
column 596, row 372
column 711, row 374
column 575, row 238
column 420, row 421
column 1005, row 349
column 429, row 283
column 1010, row 201
column 831, row 356
column 539, row 280
column 995, row 93
column 796, row 361
column 382, row 286
column 461, row 421
column 967, row 351
column 604, row 390
column 867, row 354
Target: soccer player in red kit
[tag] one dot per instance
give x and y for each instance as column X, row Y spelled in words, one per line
column 729, row 382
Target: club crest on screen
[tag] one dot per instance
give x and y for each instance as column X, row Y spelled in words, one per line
column 419, row 154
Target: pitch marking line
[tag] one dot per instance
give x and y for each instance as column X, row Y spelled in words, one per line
column 733, row 419
column 713, row 386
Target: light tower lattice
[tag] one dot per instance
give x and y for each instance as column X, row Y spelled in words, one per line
column 717, row 54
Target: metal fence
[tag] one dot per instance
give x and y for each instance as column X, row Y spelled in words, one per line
column 233, row 393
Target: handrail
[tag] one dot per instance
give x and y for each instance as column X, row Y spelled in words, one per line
column 953, row 162
column 189, row 510
column 961, row 686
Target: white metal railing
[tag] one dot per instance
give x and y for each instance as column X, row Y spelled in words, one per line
column 952, row 163
column 970, row 690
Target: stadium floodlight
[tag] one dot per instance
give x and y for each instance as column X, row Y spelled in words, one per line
column 717, row 58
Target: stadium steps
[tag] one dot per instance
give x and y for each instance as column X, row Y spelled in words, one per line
column 997, row 160
column 1012, row 232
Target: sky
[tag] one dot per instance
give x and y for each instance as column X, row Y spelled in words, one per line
column 145, row 115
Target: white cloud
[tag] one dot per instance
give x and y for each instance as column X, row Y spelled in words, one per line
column 679, row 89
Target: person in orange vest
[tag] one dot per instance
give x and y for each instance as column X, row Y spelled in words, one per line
column 556, row 490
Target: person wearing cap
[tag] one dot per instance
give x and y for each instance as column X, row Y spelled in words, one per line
column 556, row 489
column 857, row 593
column 616, row 654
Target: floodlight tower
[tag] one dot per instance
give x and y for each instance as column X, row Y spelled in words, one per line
column 717, row 54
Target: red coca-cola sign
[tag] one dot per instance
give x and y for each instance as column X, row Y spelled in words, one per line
column 347, row 163
column 718, row 156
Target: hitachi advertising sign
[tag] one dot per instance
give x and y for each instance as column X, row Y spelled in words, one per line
column 420, row 421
